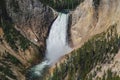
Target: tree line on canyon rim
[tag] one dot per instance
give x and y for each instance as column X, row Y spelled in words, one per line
column 98, row 50
column 67, row 4
column 62, row 4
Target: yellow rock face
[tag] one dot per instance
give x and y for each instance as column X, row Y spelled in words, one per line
column 1, row 32
column 86, row 21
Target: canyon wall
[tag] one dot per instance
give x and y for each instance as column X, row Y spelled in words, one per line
column 24, row 27
column 92, row 17
column 31, row 18
column 93, row 28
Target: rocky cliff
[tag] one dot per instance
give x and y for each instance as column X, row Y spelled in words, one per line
column 93, row 27
column 31, row 18
column 94, row 34
column 97, row 59
column 24, row 26
column 92, row 17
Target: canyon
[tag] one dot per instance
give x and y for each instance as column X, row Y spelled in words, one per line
column 25, row 28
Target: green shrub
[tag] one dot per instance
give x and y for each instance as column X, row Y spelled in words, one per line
column 11, row 59
column 6, row 72
column 13, row 37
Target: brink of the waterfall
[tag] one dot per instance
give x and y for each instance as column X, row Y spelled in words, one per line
column 57, row 46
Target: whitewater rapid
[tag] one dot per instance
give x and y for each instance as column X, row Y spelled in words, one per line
column 57, row 45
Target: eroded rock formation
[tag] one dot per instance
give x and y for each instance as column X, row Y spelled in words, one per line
column 31, row 18
column 92, row 17
column 24, row 26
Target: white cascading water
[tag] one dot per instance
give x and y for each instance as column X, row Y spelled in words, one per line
column 56, row 43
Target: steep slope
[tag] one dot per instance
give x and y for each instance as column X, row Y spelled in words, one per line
column 92, row 17
column 24, row 26
column 31, row 18
column 16, row 52
column 100, row 50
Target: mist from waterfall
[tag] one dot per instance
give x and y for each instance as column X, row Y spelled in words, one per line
column 57, row 45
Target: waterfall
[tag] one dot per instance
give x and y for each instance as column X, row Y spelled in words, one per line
column 57, row 45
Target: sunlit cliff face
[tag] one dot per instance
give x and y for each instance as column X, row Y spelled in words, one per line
column 89, row 19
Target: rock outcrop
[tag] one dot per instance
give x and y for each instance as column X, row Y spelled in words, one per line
column 97, row 56
column 31, row 18
column 92, row 17
column 24, row 27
